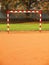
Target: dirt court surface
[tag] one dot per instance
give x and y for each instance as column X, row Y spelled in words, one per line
column 24, row 48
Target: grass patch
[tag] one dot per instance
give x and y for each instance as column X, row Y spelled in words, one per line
column 3, row 27
column 45, row 26
column 24, row 27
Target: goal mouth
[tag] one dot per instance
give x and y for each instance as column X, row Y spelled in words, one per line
column 24, row 11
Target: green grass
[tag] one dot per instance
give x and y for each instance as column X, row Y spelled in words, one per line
column 24, row 27
column 3, row 27
column 45, row 27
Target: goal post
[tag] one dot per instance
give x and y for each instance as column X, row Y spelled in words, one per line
column 24, row 11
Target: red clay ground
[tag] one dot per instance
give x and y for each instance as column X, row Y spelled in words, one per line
column 24, row 48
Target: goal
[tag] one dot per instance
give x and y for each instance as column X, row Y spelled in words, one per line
column 22, row 11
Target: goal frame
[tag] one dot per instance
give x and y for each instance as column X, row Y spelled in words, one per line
column 23, row 11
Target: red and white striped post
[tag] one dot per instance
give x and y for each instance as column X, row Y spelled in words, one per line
column 7, row 21
column 22, row 11
column 40, row 12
